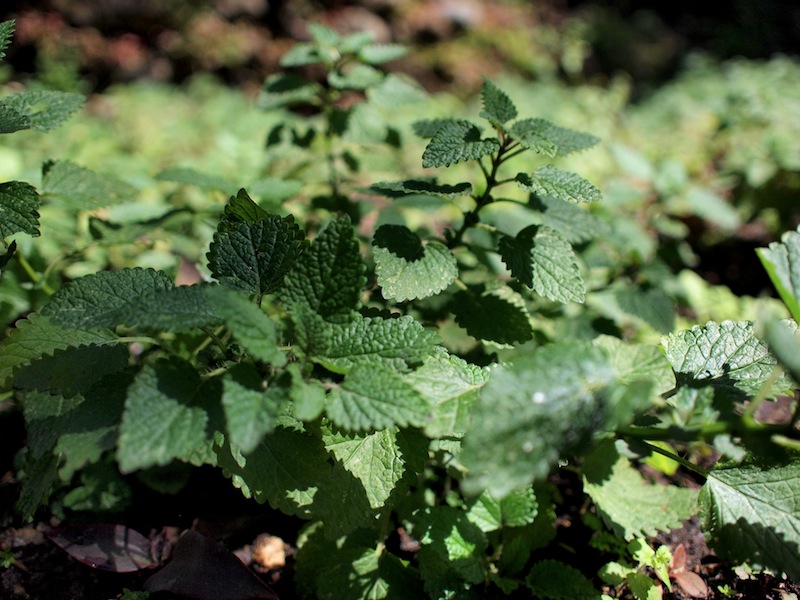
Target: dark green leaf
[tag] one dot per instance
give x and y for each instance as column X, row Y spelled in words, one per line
column 554, row 580
column 6, row 32
column 427, row 128
column 497, row 106
column 415, row 187
column 250, row 412
column 287, row 89
column 19, row 209
column 242, row 209
column 510, row 322
column 456, row 141
column 547, row 180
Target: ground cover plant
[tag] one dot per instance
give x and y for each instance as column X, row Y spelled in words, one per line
column 412, row 387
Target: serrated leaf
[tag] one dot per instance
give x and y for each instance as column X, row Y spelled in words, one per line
column 782, row 262
column 39, row 336
column 241, row 209
column 545, row 137
column 19, row 209
column 375, row 459
column 376, row 54
column 726, row 355
column 354, row 42
column 97, row 300
column 391, row 342
column 634, row 362
column 651, row 304
column 329, row 277
column 510, row 322
column 42, row 110
column 548, row 180
column 40, row 475
column 250, row 413
column 497, row 106
column 450, row 385
column 415, row 187
column 359, row 77
column 573, row 222
column 82, row 189
column 254, row 257
column 449, row 535
column 374, row 396
column 517, row 509
column 286, row 470
column 406, row 268
column 543, row 260
column 5, row 259
column 535, row 410
column 6, row 32
column 161, row 421
column 201, row 179
column 287, row 89
column 628, row 504
column 750, row 514
column 456, row 141
column 427, row 128
column 554, row 580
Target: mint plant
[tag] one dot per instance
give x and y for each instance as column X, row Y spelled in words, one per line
column 424, row 379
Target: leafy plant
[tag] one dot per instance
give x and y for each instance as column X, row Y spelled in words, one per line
column 425, row 376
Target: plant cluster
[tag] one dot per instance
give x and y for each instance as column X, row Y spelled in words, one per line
column 426, row 376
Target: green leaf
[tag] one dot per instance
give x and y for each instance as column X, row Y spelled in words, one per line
column 394, row 92
column 456, row 141
column 391, row 342
column 648, row 303
column 447, row 534
column 38, row 336
column 543, row 260
column 38, row 477
column 251, row 253
column 574, row 223
column 5, row 259
column 376, row 54
column 173, row 309
column 628, row 504
column 6, row 32
column 161, row 421
column 517, row 509
column 287, row 89
column 554, row 580
column 375, row 459
column 242, row 209
column 82, row 189
column 359, row 77
column 375, row 396
column 634, row 362
column 750, row 514
column 406, row 268
column 427, row 128
column 250, row 413
column 784, row 343
column 450, row 385
column 301, row 55
column 19, row 209
column 548, row 180
column 286, row 470
column 98, row 300
column 416, row 187
column 365, row 574
column 497, row 106
column 543, row 136
column 328, row 278
column 201, row 179
column 726, row 355
column 510, row 322
column 544, row 405
column 42, row 110
column 782, row 262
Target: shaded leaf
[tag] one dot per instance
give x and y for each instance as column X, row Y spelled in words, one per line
column 19, row 209
column 448, row 535
column 574, row 223
column 456, row 141
column 497, row 106
column 42, row 110
column 554, row 580
column 634, row 362
column 287, row 89
column 782, row 263
column 413, row 187
column 201, row 179
column 548, row 180
column 82, row 189
column 250, row 412
column 510, row 322
column 6, row 32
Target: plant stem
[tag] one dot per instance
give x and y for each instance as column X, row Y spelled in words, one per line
column 678, row 459
column 34, row 276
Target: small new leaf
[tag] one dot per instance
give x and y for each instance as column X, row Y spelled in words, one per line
column 497, row 106
column 19, row 209
column 375, row 54
column 543, row 260
column 456, row 141
column 287, row 89
column 548, row 180
column 408, row 269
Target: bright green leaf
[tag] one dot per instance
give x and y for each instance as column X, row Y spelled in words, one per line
column 375, row 54
column 517, row 509
column 448, row 534
column 456, row 141
column 201, row 179
column 782, row 262
column 19, row 209
column 634, row 362
column 548, row 180
column 359, row 77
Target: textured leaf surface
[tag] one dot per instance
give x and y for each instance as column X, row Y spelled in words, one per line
column 19, row 209
column 6, row 32
column 628, row 504
column 574, row 223
column 447, row 534
column 531, row 133
column 38, row 109
column 533, row 411
column 752, row 514
column 456, row 141
column 497, row 106
column 510, row 322
column 250, row 413
column 328, row 279
column 554, row 580
column 82, row 189
column 548, row 180
column 375, row 397
column 172, row 309
column 544, row 261
column 782, row 262
column 634, row 362
column 413, row 187
column 427, row 128
column 39, row 336
column 450, row 385
column 517, row 509
column 650, row 304
column 375, row 459
column 727, row 355
column 98, row 300
column 407, row 268
column 161, row 421
column 395, row 342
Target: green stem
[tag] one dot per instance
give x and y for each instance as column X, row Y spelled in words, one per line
column 678, row 459
column 34, row 276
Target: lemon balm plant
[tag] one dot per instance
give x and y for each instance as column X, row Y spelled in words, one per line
column 423, row 380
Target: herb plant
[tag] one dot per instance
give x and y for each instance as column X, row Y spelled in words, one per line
column 424, row 379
